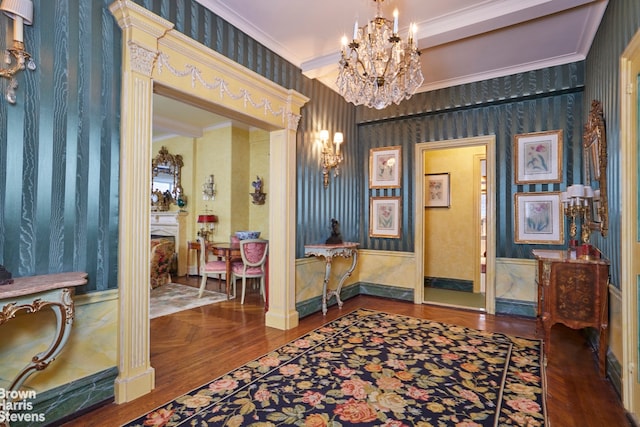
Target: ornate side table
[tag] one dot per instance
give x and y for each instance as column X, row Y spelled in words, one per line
column 573, row 292
column 328, row 252
column 32, row 294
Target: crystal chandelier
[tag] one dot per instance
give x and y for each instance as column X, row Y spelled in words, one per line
column 377, row 67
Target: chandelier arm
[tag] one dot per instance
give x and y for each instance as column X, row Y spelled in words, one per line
column 21, row 58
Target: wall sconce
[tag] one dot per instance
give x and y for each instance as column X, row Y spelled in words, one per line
column 331, row 158
column 21, row 11
column 209, row 189
column 207, row 224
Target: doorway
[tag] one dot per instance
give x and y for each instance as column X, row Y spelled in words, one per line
column 154, row 53
column 454, row 265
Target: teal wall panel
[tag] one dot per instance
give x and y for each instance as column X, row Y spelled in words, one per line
column 316, row 205
column 59, row 147
column 619, row 24
column 547, row 99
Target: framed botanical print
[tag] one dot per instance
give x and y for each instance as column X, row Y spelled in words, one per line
column 538, row 157
column 539, row 218
column 436, row 190
column 385, row 167
column 385, row 217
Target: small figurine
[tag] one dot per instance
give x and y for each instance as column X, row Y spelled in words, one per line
column 258, row 195
column 5, row 276
column 257, row 184
column 336, row 237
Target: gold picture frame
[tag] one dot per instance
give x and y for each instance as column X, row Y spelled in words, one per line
column 539, row 218
column 594, row 145
column 385, row 167
column 538, row 157
column 385, row 217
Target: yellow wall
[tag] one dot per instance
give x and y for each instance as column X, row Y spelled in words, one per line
column 259, row 214
column 91, row 347
column 214, row 157
column 451, row 234
column 235, row 156
column 240, row 180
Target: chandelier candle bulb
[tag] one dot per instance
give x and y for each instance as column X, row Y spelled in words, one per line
column 355, row 30
column 395, row 21
column 18, row 34
column 338, row 139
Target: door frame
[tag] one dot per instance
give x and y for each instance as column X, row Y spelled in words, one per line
column 629, row 221
column 155, row 54
column 489, row 142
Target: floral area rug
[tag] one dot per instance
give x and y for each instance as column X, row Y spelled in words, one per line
column 369, row 368
column 174, row 297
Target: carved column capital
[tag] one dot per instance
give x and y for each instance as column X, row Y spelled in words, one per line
column 142, row 59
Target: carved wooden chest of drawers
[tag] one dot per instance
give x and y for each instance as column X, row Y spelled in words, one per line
column 573, row 292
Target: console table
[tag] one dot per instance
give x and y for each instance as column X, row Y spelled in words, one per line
column 574, row 292
column 328, row 252
column 32, row 294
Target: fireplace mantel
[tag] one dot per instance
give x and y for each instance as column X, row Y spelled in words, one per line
column 172, row 223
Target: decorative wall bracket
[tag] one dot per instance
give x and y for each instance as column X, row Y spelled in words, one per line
column 258, row 196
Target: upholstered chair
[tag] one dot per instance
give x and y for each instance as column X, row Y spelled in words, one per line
column 254, row 258
column 162, row 253
column 209, row 268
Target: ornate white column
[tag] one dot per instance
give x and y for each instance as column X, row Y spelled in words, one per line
column 136, row 376
column 282, row 312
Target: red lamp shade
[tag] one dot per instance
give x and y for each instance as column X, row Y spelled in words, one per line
column 207, row 218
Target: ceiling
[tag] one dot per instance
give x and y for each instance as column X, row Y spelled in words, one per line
column 461, row 41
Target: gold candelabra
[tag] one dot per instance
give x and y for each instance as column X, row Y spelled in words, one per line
column 577, row 206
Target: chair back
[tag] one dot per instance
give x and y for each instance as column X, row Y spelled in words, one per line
column 254, row 252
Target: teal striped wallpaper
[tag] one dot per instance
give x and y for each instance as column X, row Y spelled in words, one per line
column 547, row 99
column 620, row 23
column 59, row 146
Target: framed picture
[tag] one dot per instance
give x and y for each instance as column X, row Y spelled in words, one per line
column 385, row 217
column 385, row 167
column 538, row 157
column 539, row 218
column 436, row 190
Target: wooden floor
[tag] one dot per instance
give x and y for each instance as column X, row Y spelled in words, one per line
column 191, row 348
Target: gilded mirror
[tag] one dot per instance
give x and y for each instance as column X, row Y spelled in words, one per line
column 595, row 167
column 166, row 175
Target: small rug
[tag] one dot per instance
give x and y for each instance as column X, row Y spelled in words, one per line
column 174, row 297
column 369, row 368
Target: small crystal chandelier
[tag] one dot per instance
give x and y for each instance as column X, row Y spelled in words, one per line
column 377, row 67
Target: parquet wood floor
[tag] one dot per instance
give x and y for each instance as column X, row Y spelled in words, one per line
column 193, row 347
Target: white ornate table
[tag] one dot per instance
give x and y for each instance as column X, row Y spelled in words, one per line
column 32, row 294
column 328, row 252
